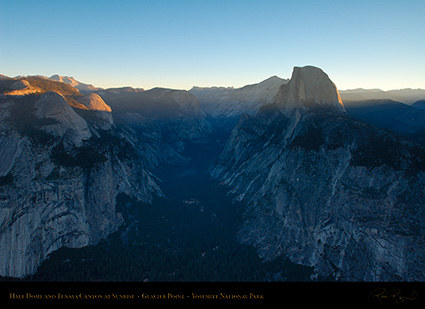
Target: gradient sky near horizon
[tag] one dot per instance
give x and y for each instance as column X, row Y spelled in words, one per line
column 180, row 44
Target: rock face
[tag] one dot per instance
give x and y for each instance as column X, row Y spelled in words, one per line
column 46, row 205
column 59, row 178
column 326, row 190
column 95, row 103
column 99, row 112
column 161, row 122
column 64, row 120
column 309, row 87
column 220, row 102
column 63, row 166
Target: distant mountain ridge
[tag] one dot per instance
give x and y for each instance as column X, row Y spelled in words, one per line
column 228, row 102
column 223, row 100
column 73, row 82
column 407, row 96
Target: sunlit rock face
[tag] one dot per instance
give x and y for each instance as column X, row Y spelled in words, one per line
column 99, row 113
column 63, row 119
column 309, row 87
column 94, row 102
column 60, row 174
column 325, row 190
column 21, row 87
column 63, row 165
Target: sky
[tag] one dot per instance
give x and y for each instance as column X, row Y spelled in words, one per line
column 180, row 44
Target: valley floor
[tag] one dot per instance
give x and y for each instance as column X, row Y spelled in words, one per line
column 188, row 236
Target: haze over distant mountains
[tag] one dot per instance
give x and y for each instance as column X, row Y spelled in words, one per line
column 227, row 102
column 217, row 96
column 407, row 96
column 307, row 177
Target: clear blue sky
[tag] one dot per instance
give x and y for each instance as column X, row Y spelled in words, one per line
column 179, row 44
